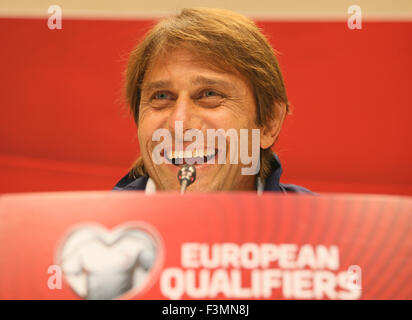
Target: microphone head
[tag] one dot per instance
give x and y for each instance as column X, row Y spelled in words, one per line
column 187, row 173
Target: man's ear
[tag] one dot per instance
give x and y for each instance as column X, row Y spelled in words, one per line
column 270, row 131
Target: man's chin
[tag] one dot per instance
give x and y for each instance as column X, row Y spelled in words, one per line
column 203, row 183
column 207, row 187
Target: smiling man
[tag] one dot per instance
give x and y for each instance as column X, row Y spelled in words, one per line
column 203, row 70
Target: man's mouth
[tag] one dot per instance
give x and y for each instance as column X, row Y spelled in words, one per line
column 190, row 157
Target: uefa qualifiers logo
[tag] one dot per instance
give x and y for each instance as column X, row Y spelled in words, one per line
column 100, row 264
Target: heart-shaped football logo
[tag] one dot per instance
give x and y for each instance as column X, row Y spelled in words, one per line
column 103, row 264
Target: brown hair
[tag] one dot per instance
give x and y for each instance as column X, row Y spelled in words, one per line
column 231, row 41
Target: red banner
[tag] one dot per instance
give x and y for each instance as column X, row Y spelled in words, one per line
column 126, row 245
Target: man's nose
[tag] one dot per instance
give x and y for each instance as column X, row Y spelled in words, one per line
column 182, row 111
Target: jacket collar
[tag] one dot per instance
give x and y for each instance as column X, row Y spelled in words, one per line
column 272, row 183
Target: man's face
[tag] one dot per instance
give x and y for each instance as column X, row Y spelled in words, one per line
column 181, row 86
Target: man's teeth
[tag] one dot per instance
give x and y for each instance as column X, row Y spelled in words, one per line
column 190, row 154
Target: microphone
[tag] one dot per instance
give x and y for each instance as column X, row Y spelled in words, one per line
column 186, row 176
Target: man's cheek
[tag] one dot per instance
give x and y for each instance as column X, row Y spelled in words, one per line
column 145, row 139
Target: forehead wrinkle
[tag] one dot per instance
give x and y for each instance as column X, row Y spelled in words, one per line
column 202, row 80
column 160, row 84
column 199, row 80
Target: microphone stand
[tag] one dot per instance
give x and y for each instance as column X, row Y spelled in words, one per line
column 183, row 186
column 186, row 176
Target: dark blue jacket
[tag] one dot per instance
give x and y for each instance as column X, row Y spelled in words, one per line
column 272, row 183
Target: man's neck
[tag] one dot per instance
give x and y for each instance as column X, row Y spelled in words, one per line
column 151, row 186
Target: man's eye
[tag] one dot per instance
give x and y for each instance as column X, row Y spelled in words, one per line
column 210, row 93
column 161, row 96
column 209, row 98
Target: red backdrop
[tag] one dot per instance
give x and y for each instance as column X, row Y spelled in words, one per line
column 64, row 125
